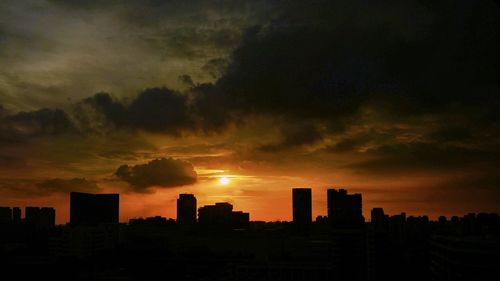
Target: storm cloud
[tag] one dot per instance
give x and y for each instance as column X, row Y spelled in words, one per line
column 164, row 172
column 155, row 109
column 44, row 122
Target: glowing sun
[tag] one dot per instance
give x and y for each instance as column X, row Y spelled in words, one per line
column 224, row 180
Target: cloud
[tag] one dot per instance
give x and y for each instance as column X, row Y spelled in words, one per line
column 158, row 110
column 164, row 172
column 295, row 135
column 430, row 158
column 43, row 122
column 312, row 63
column 399, row 87
column 90, row 42
column 68, row 185
column 327, row 61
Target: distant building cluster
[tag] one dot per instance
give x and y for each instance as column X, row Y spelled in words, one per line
column 219, row 215
column 344, row 210
column 39, row 217
column 222, row 214
column 214, row 242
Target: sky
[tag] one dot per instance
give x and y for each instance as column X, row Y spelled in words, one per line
column 397, row 100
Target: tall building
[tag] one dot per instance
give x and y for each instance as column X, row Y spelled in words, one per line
column 344, row 210
column 464, row 258
column 16, row 214
column 186, row 209
column 44, row 217
column 92, row 209
column 221, row 214
column 32, row 214
column 302, row 206
column 379, row 220
column 47, row 217
column 5, row 215
column 348, row 235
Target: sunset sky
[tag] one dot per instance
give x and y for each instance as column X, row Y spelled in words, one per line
column 397, row 100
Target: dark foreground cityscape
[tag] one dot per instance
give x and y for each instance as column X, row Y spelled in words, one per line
column 215, row 242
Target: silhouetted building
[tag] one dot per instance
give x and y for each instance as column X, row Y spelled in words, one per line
column 222, row 214
column 91, row 209
column 302, row 206
column 31, row 214
column 186, row 209
column 465, row 258
column 5, row 215
column 219, row 213
column 40, row 217
column 377, row 215
column 84, row 240
column 282, row 271
column 344, row 210
column 47, row 217
column 349, row 253
column 379, row 220
column 240, row 219
column 16, row 214
column 397, row 226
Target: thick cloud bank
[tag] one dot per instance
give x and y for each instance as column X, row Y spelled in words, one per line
column 164, row 172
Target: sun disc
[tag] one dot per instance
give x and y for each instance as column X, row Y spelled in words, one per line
column 224, row 180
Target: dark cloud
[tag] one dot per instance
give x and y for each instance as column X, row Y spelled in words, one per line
column 338, row 65
column 451, row 134
column 216, row 67
column 43, row 122
column 325, row 61
column 164, row 172
column 68, row 185
column 295, row 135
column 348, row 145
column 158, row 110
column 417, row 157
column 156, row 40
column 11, row 161
column 186, row 80
column 215, row 109
column 368, row 137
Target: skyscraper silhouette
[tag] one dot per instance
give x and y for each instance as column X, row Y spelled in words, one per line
column 41, row 217
column 344, row 209
column 31, row 214
column 222, row 214
column 302, row 206
column 379, row 220
column 186, row 209
column 86, row 208
column 5, row 214
column 16, row 214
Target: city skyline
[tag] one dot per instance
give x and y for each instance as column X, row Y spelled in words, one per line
column 216, row 241
column 243, row 140
column 237, row 101
column 343, row 210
